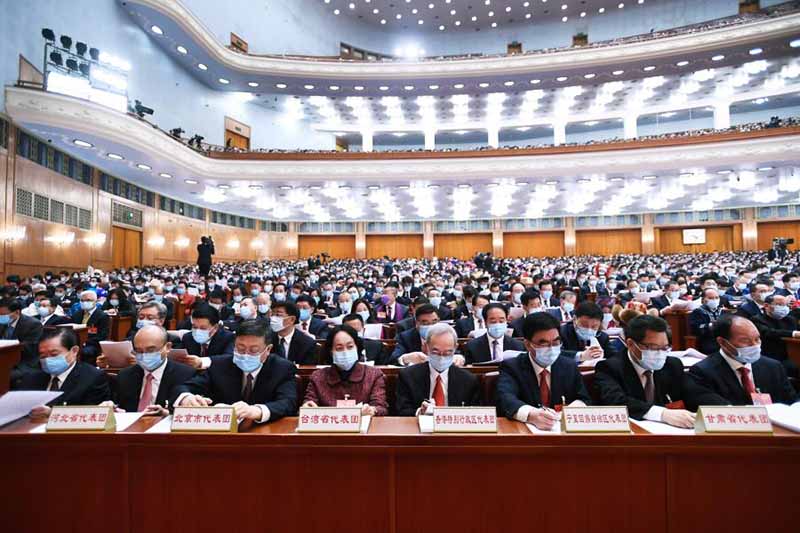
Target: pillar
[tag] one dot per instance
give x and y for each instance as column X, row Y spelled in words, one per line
column 427, row 238
column 648, row 235
column 494, row 136
column 569, row 236
column 559, row 133
column 361, row 240
column 631, row 127
column 430, row 139
column 750, row 229
column 722, row 115
column 366, row 141
column 497, row 238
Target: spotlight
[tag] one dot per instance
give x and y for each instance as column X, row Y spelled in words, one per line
column 84, row 68
column 55, row 57
column 66, row 41
column 72, row 64
column 48, row 34
column 142, row 110
column 94, row 53
column 176, row 132
column 80, row 48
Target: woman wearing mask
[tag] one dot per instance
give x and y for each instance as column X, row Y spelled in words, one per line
column 347, row 378
column 119, row 303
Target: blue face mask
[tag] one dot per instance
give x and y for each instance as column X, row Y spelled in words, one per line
column 149, row 361
column 237, row 298
column 497, row 330
column 780, row 311
column 546, row 295
column 653, row 359
column 546, row 356
column 263, row 309
column 305, row 314
column 423, row 332
column 436, row 301
column 201, row 336
column 181, row 290
column 585, row 334
column 364, row 315
column 569, row 307
column 748, row 354
column 247, row 363
column 440, row 363
column 246, row 313
column 142, row 323
column 345, row 359
column 276, row 323
column 255, row 292
column 279, row 296
column 5, row 319
column 87, row 306
column 158, row 298
column 113, row 303
column 55, row 365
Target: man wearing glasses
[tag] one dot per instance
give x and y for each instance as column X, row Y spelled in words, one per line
column 644, row 378
column 533, row 383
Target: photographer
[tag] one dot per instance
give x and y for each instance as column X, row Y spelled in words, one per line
column 204, row 252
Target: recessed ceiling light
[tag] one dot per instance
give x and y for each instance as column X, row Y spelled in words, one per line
column 682, row 63
column 82, row 144
column 142, row 166
column 165, row 175
column 373, row 187
column 551, row 182
column 724, row 172
column 433, row 186
column 383, row 88
column 336, row 11
column 494, row 24
column 458, row 86
column 564, row 19
column 223, row 81
column 252, row 83
column 358, row 88
column 795, row 43
column 483, row 85
column 464, row 185
column 536, row 82
column 718, row 57
column 755, row 51
column 618, row 72
column 508, row 83
column 308, row 86
column 616, row 179
column 601, row 10
column 383, row 21
column 115, row 156
column 648, row 177
column 621, row 5
column 589, row 76
column 285, row 187
column 202, row 66
column 649, row 68
column 223, row 186
column 256, row 187
column 280, row 85
column 433, row 87
column 334, row 87
column 409, row 87
column 562, row 78
column 765, row 169
column 190, row 182
column 155, row 29
column 402, row 187
column 181, row 50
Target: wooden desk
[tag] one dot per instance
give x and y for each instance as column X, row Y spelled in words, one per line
column 679, row 324
column 120, row 325
column 793, row 349
column 10, row 354
column 396, row 480
column 80, row 330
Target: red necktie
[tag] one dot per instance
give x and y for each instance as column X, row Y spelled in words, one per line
column 747, row 382
column 544, row 389
column 438, row 392
column 147, row 395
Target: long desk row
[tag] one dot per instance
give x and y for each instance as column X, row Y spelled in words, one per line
column 394, row 479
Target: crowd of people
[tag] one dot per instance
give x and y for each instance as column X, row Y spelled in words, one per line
column 248, row 324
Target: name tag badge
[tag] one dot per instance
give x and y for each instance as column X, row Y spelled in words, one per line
column 214, row 419
column 381, row 314
column 329, row 420
column 610, row 419
column 81, row 418
column 676, row 405
column 464, row 420
column 92, row 330
column 761, row 398
column 558, row 407
column 345, row 403
column 733, row 419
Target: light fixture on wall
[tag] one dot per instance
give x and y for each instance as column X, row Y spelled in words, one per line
column 233, row 243
column 157, row 240
column 13, row 233
column 61, row 239
column 95, row 239
column 182, row 242
column 256, row 243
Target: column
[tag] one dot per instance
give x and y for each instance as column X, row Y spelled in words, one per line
column 494, row 136
column 631, row 127
column 366, row 141
column 722, row 115
column 559, row 133
column 427, row 238
column 497, row 238
column 648, row 235
column 569, row 236
column 749, row 230
column 292, row 242
column 361, row 240
column 430, row 139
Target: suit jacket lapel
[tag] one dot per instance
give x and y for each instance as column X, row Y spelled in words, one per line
column 165, row 385
column 731, row 381
column 529, row 378
column 454, row 388
column 632, row 381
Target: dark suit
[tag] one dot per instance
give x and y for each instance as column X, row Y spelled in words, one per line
column 223, row 382
column 558, row 314
column 713, row 382
column 749, row 309
column 56, row 320
column 414, row 387
column 220, row 344
column 700, row 321
column 27, row 331
column 772, row 332
column 407, row 342
column 516, row 324
column 479, row 350
column 570, row 343
column 518, row 385
column 617, row 383
column 373, row 349
column 444, row 312
column 316, row 327
column 85, row 385
column 129, row 384
column 99, row 325
column 464, row 326
column 404, row 325
column 302, row 350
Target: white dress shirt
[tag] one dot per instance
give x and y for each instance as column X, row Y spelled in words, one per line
column 499, row 345
column 434, row 374
column 736, row 365
column 288, row 339
column 523, row 412
column 655, row 412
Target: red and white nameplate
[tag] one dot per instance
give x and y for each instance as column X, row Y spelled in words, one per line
column 733, row 419
column 464, row 420
column 595, row 419
column 329, row 420
column 214, row 419
column 81, row 418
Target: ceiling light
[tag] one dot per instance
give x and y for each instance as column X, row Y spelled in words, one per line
column 82, row 144
column 755, row 51
column 649, row 68
column 616, row 179
column 409, row 87
column 308, row 87
column 358, row 88
column 115, row 156
column 224, row 186
column 223, row 81
column 508, row 83
column 433, row 87
column 601, row 10
column 383, row 21
column 252, row 84
column 562, row 78
column 564, row 19
column 536, row 82
column 483, row 85
column 181, row 50
column 682, row 63
column 648, row 178
column 383, row 88
column 765, row 169
column 441, row 28
column 202, row 66
column 334, row 87
column 621, row 5
column 165, row 175
column 551, row 182
column 618, row 72
column 494, row 24
column 285, row 187
column 190, row 182
column 795, row 43
column 336, row 11
column 458, row 86
column 589, row 76
column 280, row 85
column 155, row 29
column 718, row 57
column 142, row 166
column 373, row 187
column 256, row 187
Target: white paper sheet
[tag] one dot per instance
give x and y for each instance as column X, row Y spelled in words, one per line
column 16, row 404
column 124, row 421
column 555, row 430
column 365, row 421
column 425, row 424
column 162, row 426
column 659, row 428
column 785, row 416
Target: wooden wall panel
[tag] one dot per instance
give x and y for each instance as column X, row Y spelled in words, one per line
column 533, row 244
column 394, row 246
column 718, row 239
column 337, row 246
column 225, row 239
column 608, row 242
column 461, row 245
column 770, row 230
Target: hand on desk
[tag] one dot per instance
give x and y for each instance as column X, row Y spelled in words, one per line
column 459, row 360
column 194, row 400
column 678, row 417
column 592, row 352
column 40, row 411
column 245, row 411
column 543, row 418
column 109, row 403
column 310, row 404
column 191, row 360
column 368, row 410
column 155, row 410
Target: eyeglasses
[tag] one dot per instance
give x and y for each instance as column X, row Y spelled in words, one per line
column 445, row 354
column 544, row 344
column 653, row 347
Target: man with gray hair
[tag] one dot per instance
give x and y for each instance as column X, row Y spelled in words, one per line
column 436, row 381
column 96, row 321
